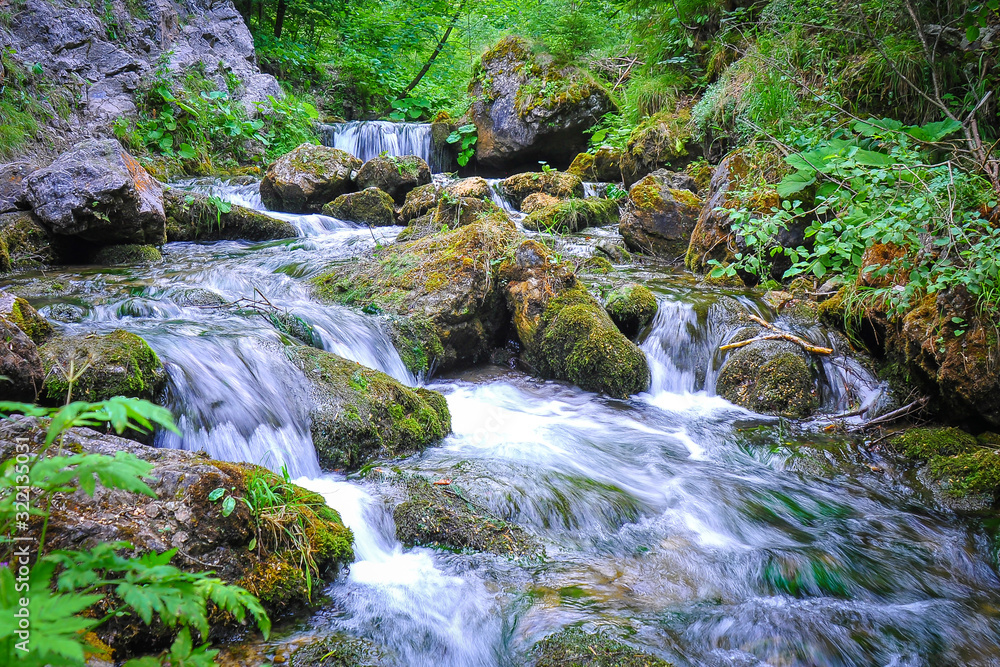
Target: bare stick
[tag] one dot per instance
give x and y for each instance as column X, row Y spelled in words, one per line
column 781, row 335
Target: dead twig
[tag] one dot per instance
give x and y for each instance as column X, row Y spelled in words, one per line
column 777, row 335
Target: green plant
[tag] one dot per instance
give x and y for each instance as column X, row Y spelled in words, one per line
column 466, row 137
column 288, row 123
column 410, row 108
column 546, row 167
column 58, row 588
column 615, row 192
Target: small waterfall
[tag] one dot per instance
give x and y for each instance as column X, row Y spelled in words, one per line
column 593, row 190
column 366, row 139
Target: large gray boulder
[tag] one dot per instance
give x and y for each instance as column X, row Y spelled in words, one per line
column 12, row 192
column 307, row 178
column 99, row 193
column 396, row 176
column 528, row 108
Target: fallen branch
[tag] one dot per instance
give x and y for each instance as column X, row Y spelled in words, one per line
column 905, row 411
column 777, row 335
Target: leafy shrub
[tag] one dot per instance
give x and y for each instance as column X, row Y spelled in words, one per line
column 466, row 137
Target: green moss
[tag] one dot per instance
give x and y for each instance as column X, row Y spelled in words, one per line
column 646, row 195
column 685, row 197
column 441, row 516
column 277, row 582
column 926, row 443
column 768, row 377
column 417, row 342
column 596, row 265
column 573, row 215
column 973, row 472
column 631, row 308
column 574, row 646
column 555, row 183
column 371, row 206
column 339, row 651
column 577, row 341
column 23, row 243
column 126, row 254
column 363, row 413
column 116, row 364
column 27, row 319
column 582, row 166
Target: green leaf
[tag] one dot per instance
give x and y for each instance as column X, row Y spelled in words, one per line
column 216, row 494
column 187, row 152
column 795, row 182
column 932, row 132
column 228, row 505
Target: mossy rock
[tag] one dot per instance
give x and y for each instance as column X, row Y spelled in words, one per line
column 396, row 176
column 192, row 216
column 419, row 201
column 24, row 244
column 453, row 212
column 976, row 472
column 660, row 215
column 575, row 647
column 361, row 414
column 923, row 444
column 116, row 364
column 307, row 178
column 577, row 341
column 443, row 517
column 595, row 265
column 20, row 365
column 537, row 202
column 113, row 255
column 557, row 184
column 444, row 278
column 475, row 186
column 417, row 341
column 662, row 140
column 631, row 308
column 340, row 651
column 21, row 313
column 370, row 206
column 572, row 215
column 604, row 165
column 769, row 377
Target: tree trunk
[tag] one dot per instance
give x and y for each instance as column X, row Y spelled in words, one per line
column 437, row 51
column 279, row 19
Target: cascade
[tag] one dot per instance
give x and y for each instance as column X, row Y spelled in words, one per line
column 366, row 139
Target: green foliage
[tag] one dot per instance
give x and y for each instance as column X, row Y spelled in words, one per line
column 466, row 137
column 288, row 123
column 410, row 108
column 876, row 184
column 28, row 100
column 61, row 587
column 612, row 131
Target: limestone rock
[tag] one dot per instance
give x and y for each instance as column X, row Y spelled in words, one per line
column 307, row 178
column 370, row 206
column 394, row 175
column 659, row 216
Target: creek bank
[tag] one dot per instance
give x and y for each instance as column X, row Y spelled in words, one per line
column 181, row 516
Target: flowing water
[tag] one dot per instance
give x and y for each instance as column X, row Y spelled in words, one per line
column 371, row 138
column 701, row 532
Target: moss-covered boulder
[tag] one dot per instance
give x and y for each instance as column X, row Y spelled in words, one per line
column 22, row 315
column 964, row 468
column 475, row 186
column 419, row 201
column 20, row 365
column 575, row 647
column 24, row 243
column 661, row 141
column 660, row 214
column 555, row 183
column 770, row 377
column 443, row 516
column 603, row 165
column 370, row 206
column 360, row 414
column 340, row 651
column 443, row 284
column 114, row 364
column 526, row 107
column 631, row 308
column 564, row 331
column 572, row 215
column 396, row 176
column 261, row 552
column 192, row 216
column 307, row 178
column 129, row 253
column 538, row 201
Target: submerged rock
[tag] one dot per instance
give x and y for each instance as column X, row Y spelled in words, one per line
column 370, row 206
column 99, row 193
column 527, row 108
column 771, row 377
column 443, row 285
column 555, row 183
column 307, row 178
column 631, row 308
column 575, row 647
column 362, row 414
column 126, row 254
column 396, row 176
column 441, row 516
column 660, row 214
column 20, row 365
column 182, row 515
column 105, row 365
column 572, row 215
column 564, row 331
column 340, row 651
column 192, row 216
